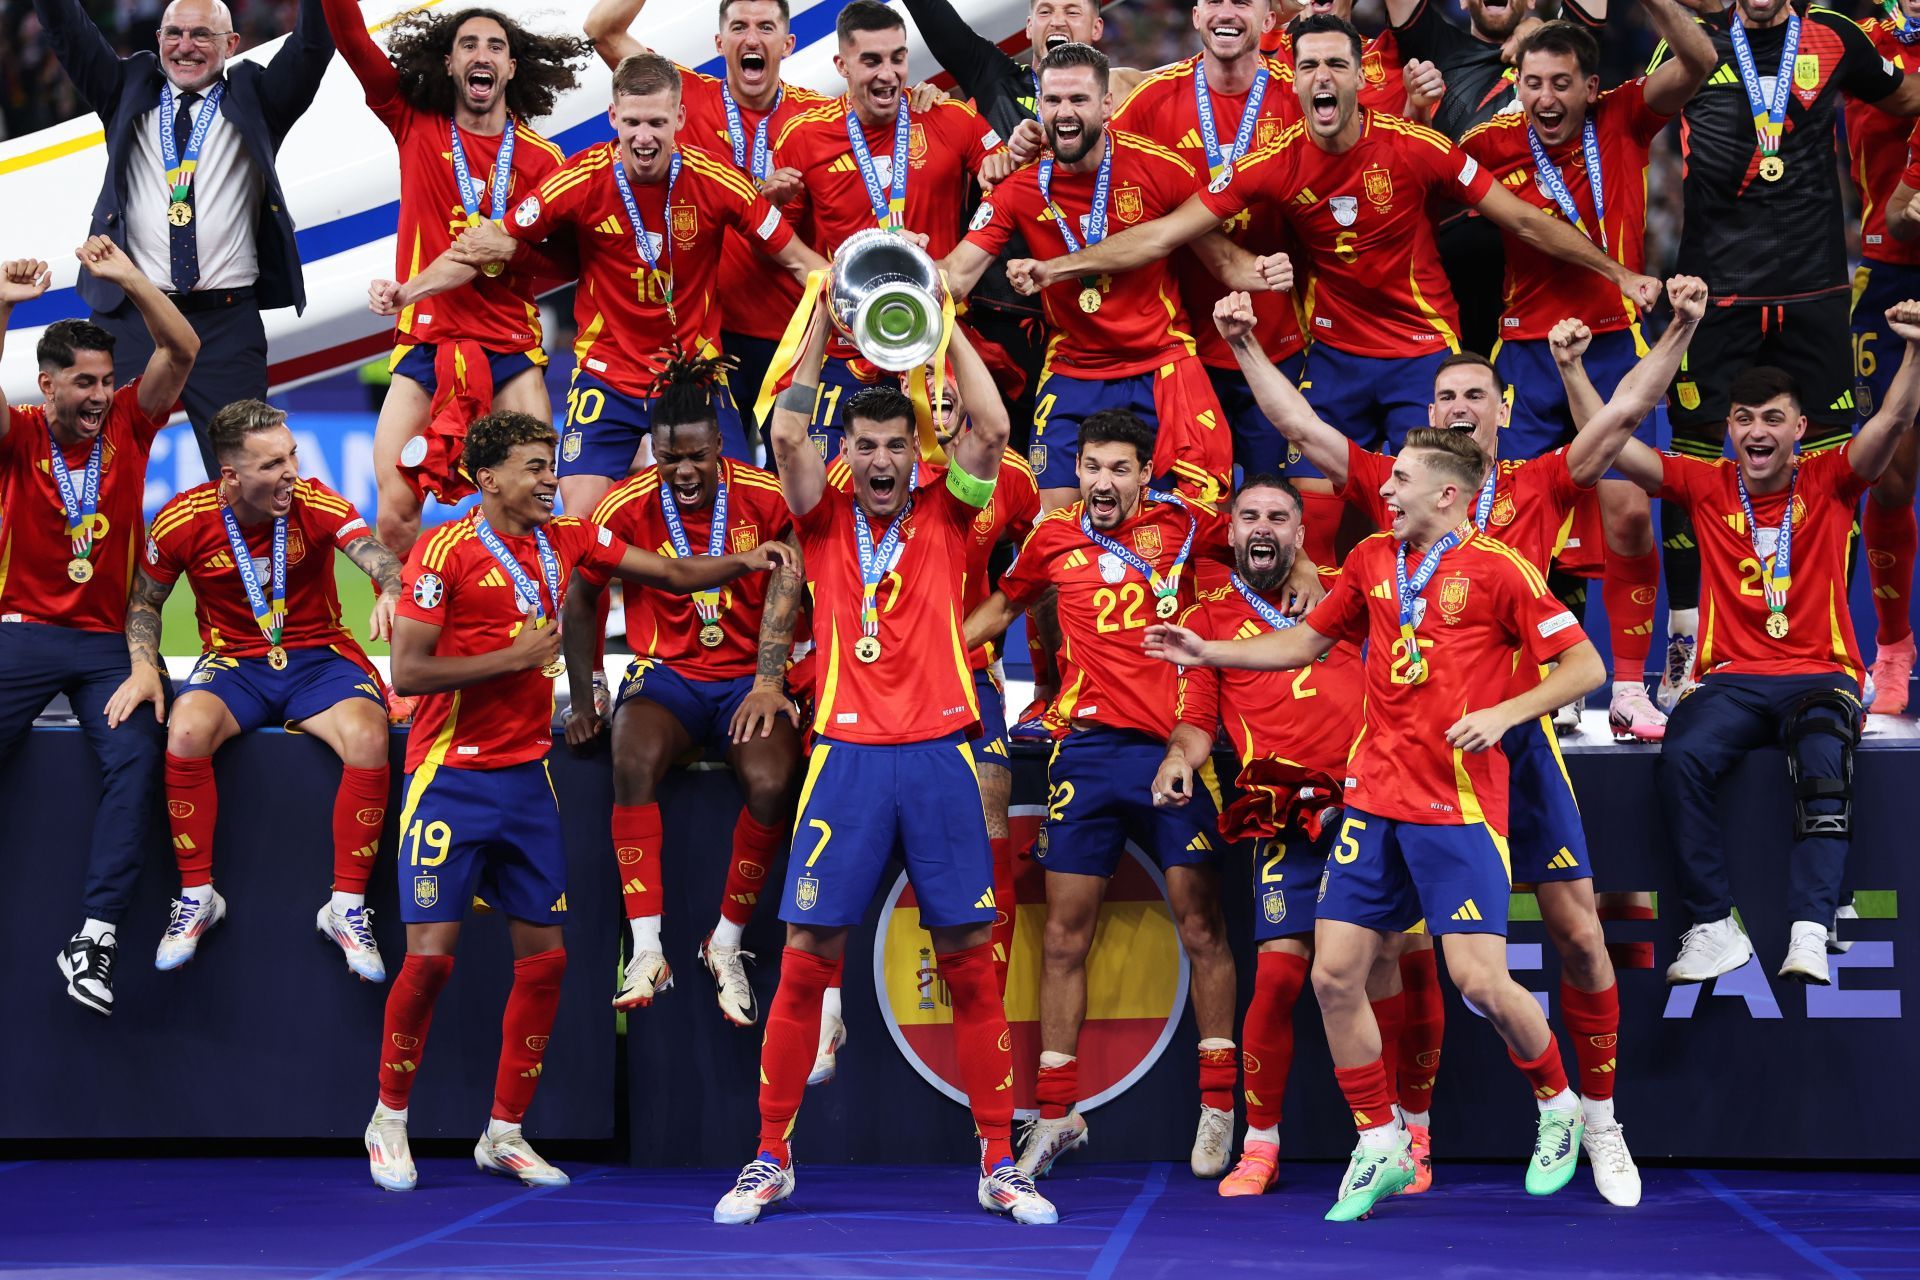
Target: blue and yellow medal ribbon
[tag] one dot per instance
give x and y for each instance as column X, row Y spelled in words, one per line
column 889, row 207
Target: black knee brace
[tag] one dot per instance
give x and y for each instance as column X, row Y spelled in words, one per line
column 1816, row 712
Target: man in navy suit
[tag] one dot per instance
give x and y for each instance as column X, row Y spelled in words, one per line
column 190, row 191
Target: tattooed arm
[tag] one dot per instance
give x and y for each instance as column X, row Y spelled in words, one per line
column 383, row 567
column 768, row 701
column 147, row 681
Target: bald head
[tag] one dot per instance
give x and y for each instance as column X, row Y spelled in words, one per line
column 196, row 39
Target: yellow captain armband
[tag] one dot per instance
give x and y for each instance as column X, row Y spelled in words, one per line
column 969, row 489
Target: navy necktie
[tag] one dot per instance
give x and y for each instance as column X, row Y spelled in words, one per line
column 183, row 252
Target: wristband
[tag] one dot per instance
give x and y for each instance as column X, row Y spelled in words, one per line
column 971, row 490
column 798, row 398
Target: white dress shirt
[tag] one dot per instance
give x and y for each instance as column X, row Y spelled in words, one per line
column 226, row 203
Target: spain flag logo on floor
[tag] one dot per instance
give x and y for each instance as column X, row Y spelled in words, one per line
column 1136, row 980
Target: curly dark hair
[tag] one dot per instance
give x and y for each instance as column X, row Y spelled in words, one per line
column 685, row 388
column 545, row 66
column 491, row 438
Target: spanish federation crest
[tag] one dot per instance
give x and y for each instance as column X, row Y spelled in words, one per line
column 1146, row 540
column 686, row 223
column 744, row 538
column 426, row 890
column 1266, row 132
column 1128, row 204
column 806, row 893
column 1453, row 596
column 1806, row 73
column 917, row 142
column 1273, row 905
column 1377, row 182
column 1346, row 209
column 1373, row 68
column 1502, row 510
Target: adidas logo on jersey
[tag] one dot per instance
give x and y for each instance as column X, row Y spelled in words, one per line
column 1200, row 843
column 1467, row 911
column 985, row 901
column 1563, row 860
column 610, row 226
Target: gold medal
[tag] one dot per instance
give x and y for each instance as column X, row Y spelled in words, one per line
column 1777, row 625
column 179, row 213
column 1166, row 606
column 711, row 635
column 1089, row 299
column 867, row 648
column 277, row 658
column 493, row 268
column 1772, row 169
column 80, row 569
column 555, row 669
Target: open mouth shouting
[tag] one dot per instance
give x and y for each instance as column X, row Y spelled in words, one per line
column 1055, row 39
column 1263, row 553
column 1104, row 506
column 481, row 84
column 686, row 491
column 1760, row 452
column 1324, row 108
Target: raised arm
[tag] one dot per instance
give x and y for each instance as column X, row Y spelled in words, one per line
column 1673, row 82
column 379, row 81
column 1602, row 435
column 608, row 24
column 1872, row 447
column 84, row 51
column 1568, row 341
column 293, row 76
column 977, row 451
column 21, row 280
column 373, row 558
column 1136, row 246
column 145, row 683
column 803, row 472
column 175, row 344
column 1552, row 236
column 1321, row 444
column 964, row 267
column 969, row 57
column 768, row 700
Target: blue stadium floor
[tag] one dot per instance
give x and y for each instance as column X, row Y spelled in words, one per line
column 320, row 1219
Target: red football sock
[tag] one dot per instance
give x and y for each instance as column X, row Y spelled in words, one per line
column 755, row 846
column 1266, row 1052
column 1390, row 1015
column 791, row 1042
column 359, row 809
column 524, row 1031
column 1321, row 513
column 636, row 848
column 1418, row 1064
column 193, row 806
column 403, row 1033
column 1628, row 588
column 1219, row 1073
column 985, row 1048
column 1369, row 1094
column 1890, row 535
column 1058, row 1089
column 1594, row 1019
column 1546, row 1073
column 1005, row 909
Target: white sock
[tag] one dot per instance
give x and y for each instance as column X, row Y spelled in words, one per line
column 1216, row 1042
column 1629, row 686
column 1269, row 1134
column 1565, row 1100
column 1051, row 1059
column 1683, row 623
column 1382, row 1137
column 345, row 902
column 386, row 1112
column 646, row 934
column 1598, row 1111
column 830, row 1004
column 1421, row 1118
column 200, row 893
column 727, row 933
column 496, row 1127
column 97, row 930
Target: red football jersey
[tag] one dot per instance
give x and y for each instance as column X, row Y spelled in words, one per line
column 750, row 282
column 1541, row 290
column 920, row 688
column 625, row 332
column 1878, row 150
column 668, row 626
column 1007, row 517
column 496, row 311
column 1140, row 324
column 1382, row 86
column 34, row 548
column 1106, row 678
column 1373, row 286
column 1533, row 500
column 1311, row 716
column 1164, row 107
column 945, row 149
column 189, row 537
column 1482, row 608
column 454, row 583
column 1733, row 608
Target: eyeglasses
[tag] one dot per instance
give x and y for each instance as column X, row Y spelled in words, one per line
column 198, row 35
